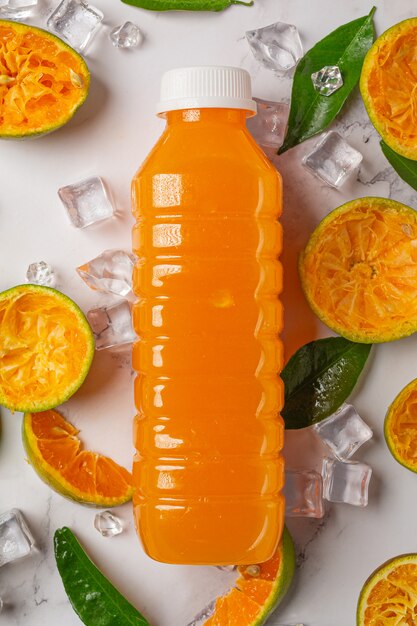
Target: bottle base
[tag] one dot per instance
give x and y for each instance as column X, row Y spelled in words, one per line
column 242, row 534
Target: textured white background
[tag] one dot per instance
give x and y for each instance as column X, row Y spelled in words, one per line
column 110, row 136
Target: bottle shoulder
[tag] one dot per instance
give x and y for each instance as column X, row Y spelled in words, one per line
column 196, row 149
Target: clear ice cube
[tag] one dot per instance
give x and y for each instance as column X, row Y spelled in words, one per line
column 277, row 46
column 107, row 524
column 41, row 273
column 112, row 325
column 16, row 540
column 17, row 9
column 303, row 493
column 332, row 159
column 269, row 125
column 344, row 431
column 110, row 272
column 75, row 21
column 87, row 202
column 205, row 614
column 327, row 80
column 128, row 35
column 346, row 482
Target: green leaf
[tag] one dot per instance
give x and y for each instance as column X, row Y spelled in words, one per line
column 311, row 112
column 186, row 5
column 319, row 377
column 405, row 168
column 93, row 597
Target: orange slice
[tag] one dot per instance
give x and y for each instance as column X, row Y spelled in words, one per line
column 57, row 455
column 387, row 84
column 400, row 428
column 42, row 81
column 46, row 348
column 258, row 591
column 389, row 596
column 359, row 270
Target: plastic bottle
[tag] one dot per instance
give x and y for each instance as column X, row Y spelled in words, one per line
column 208, row 470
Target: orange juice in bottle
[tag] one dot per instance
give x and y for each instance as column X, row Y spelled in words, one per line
column 208, row 471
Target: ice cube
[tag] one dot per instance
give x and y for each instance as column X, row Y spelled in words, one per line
column 332, row 159
column 87, row 202
column 344, row 431
column 108, row 524
column 76, row 22
column 346, row 482
column 327, row 80
column 112, row 325
column 16, row 540
column 16, row 9
column 41, row 273
column 128, row 35
column 201, row 618
column 269, row 125
column 277, row 46
column 110, row 272
column 303, row 493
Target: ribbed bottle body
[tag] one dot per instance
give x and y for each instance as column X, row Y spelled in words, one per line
column 208, row 471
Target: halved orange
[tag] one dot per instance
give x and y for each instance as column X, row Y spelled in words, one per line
column 359, row 270
column 43, row 81
column 387, row 84
column 46, row 348
column 400, row 428
column 389, row 596
column 57, row 455
column 258, row 590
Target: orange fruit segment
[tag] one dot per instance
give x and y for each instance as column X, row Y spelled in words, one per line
column 43, row 81
column 57, row 455
column 258, row 590
column 389, row 596
column 400, row 428
column 387, row 84
column 359, row 270
column 46, row 348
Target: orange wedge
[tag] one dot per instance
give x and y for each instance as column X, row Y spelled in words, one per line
column 258, row 591
column 57, row 455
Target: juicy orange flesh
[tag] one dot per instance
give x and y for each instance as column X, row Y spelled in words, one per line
column 391, row 84
column 393, row 600
column 246, row 601
column 84, row 472
column 361, row 270
column 42, row 348
column 41, row 81
column 402, row 429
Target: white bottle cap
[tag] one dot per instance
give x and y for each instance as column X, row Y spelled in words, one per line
column 211, row 87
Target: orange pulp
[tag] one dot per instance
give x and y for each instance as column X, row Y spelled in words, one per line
column 208, row 471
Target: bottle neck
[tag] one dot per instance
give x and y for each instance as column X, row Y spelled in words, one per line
column 236, row 117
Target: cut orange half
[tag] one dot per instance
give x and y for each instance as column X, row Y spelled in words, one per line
column 46, row 348
column 57, row 455
column 258, row 590
column 388, row 83
column 389, row 596
column 359, row 270
column 400, row 428
column 43, row 81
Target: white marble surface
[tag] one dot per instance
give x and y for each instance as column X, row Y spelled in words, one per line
column 110, row 136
